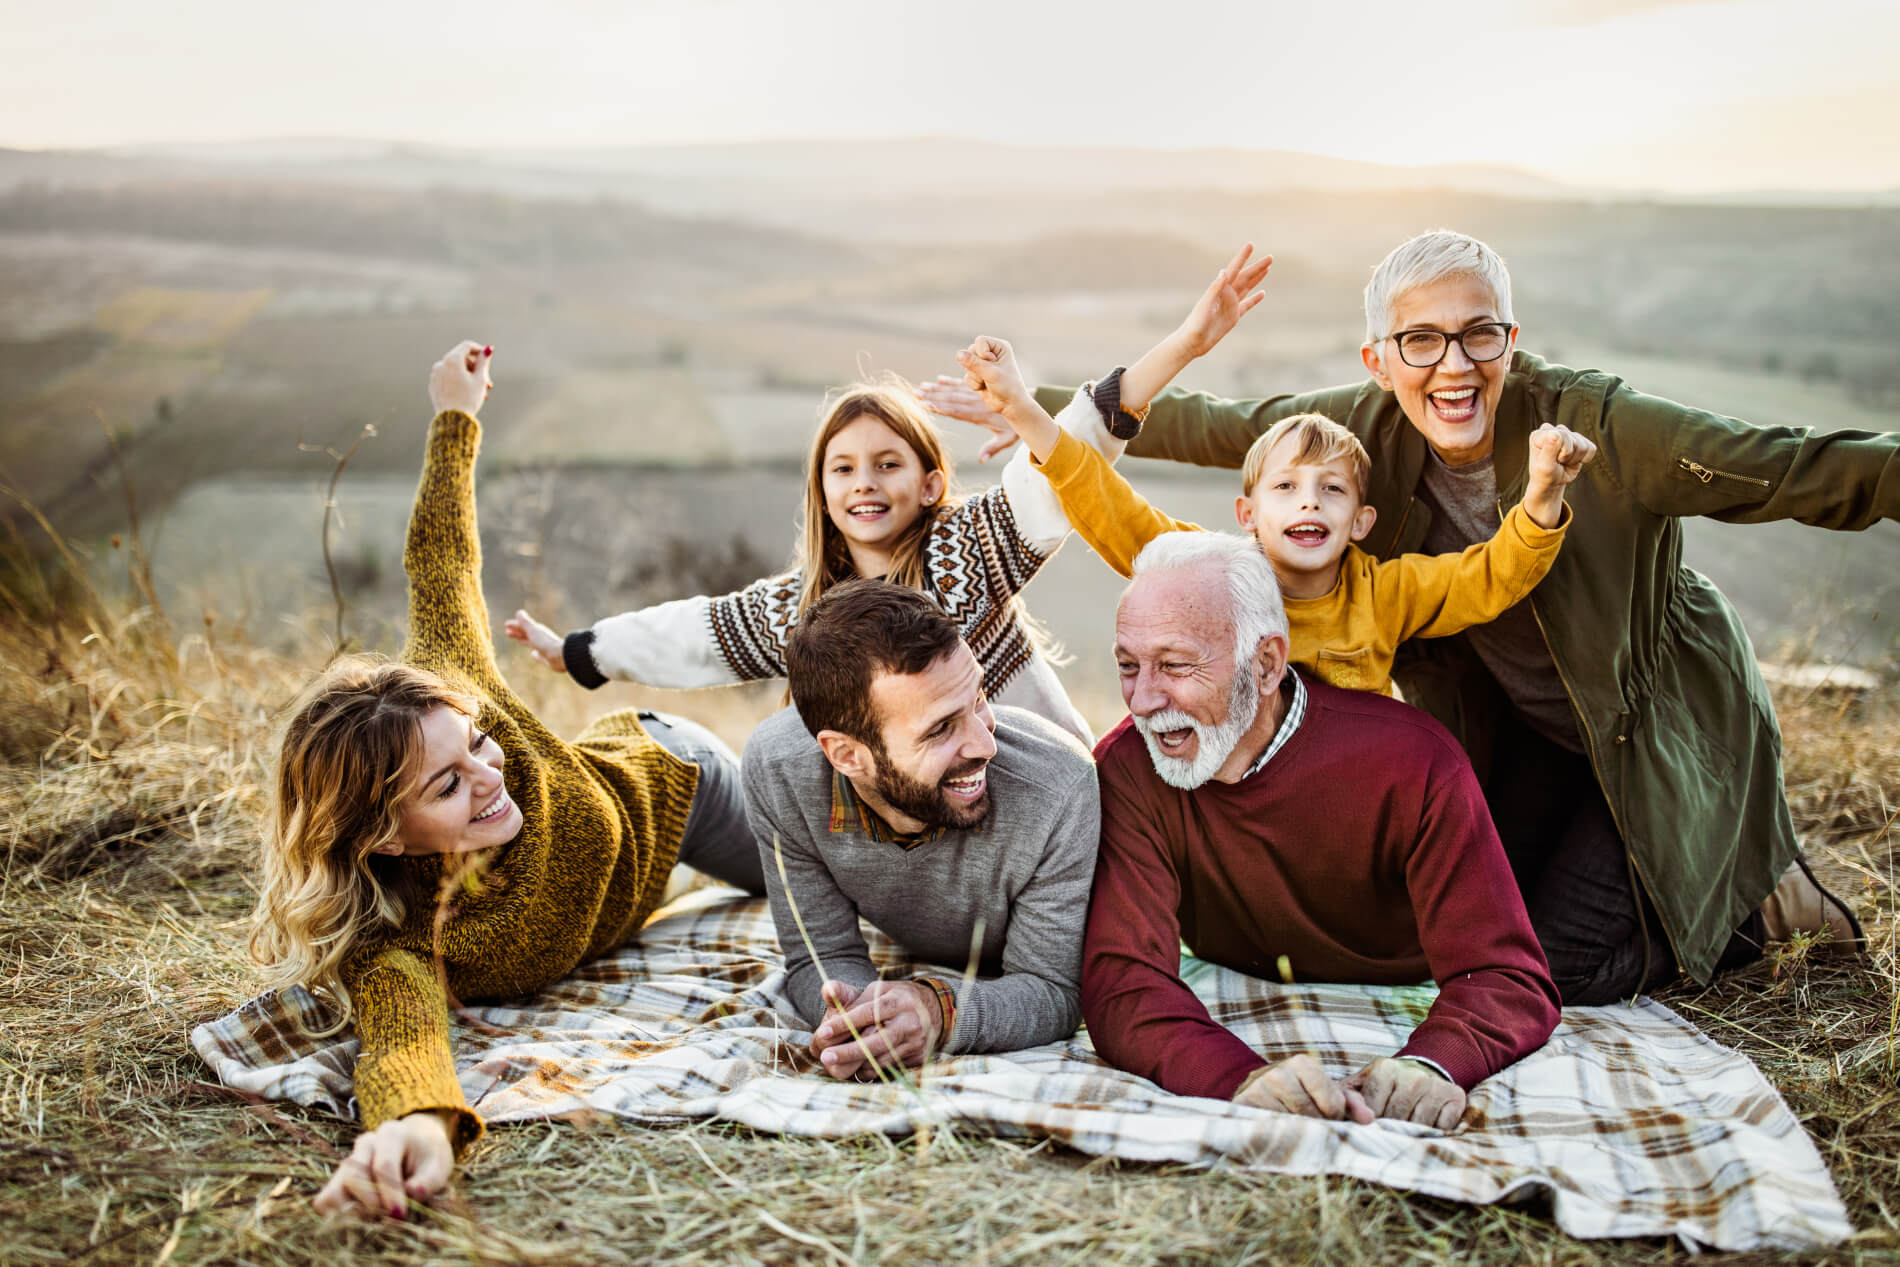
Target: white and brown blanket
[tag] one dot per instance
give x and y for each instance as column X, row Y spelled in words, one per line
column 1629, row 1120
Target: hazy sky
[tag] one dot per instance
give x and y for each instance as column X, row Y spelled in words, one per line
column 1677, row 94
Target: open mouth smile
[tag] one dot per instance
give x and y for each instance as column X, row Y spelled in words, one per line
column 1458, row 404
column 1173, row 740
column 495, row 808
column 868, row 510
column 969, row 787
column 1308, row 533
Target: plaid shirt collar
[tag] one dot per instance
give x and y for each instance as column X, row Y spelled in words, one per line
column 848, row 810
column 1295, row 714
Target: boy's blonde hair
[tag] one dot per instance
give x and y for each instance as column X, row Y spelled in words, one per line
column 1316, row 439
column 821, row 549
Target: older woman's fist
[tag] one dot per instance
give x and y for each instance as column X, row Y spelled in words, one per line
column 460, row 380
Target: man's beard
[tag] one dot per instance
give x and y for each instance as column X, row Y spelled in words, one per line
column 926, row 802
column 1214, row 744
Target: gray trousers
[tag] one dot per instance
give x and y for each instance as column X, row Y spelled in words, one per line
column 717, row 841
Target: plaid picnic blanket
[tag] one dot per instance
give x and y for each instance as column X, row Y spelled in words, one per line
column 1629, row 1120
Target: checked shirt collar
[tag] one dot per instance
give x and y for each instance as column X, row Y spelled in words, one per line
column 1295, row 714
column 848, row 810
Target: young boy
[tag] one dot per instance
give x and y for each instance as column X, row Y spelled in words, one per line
column 1303, row 499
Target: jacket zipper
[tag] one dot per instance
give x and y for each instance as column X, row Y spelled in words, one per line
column 1403, row 516
column 1708, row 473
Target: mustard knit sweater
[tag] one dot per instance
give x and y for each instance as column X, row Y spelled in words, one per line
column 1349, row 635
column 601, row 824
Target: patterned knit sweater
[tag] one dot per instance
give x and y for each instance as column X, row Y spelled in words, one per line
column 602, row 819
column 978, row 555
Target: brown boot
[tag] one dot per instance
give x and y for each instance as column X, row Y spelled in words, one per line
column 1800, row 904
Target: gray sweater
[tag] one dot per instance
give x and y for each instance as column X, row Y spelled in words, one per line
column 1024, row 872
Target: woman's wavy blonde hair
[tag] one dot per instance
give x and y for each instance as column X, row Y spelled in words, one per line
column 821, row 550
column 350, row 754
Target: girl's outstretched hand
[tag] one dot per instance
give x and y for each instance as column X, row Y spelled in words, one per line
column 542, row 643
column 1224, row 302
column 460, row 379
column 949, row 398
column 405, row 1159
column 990, row 370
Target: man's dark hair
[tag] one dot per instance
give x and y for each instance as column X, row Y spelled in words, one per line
column 855, row 632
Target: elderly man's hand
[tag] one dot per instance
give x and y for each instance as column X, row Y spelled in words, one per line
column 1299, row 1085
column 1410, row 1092
column 897, row 1024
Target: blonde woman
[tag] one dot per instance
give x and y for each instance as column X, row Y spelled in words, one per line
column 880, row 502
column 432, row 842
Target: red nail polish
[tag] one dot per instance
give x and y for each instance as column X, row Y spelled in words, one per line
column 489, row 350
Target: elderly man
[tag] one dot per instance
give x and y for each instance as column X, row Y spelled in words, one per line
column 892, row 790
column 1625, row 739
column 1277, row 824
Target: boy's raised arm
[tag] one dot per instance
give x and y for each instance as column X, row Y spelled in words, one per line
column 1103, row 507
column 1435, row 596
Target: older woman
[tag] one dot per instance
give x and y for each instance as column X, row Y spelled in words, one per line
column 1627, row 744
column 432, row 841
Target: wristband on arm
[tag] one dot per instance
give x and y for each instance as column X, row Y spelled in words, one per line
column 1107, row 395
column 946, row 1007
column 577, row 653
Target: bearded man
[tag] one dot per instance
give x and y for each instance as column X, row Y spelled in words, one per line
column 892, row 790
column 1282, row 826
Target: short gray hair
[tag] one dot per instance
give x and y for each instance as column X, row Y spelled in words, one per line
column 1428, row 258
column 1252, row 589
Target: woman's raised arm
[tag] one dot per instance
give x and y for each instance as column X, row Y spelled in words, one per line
column 448, row 617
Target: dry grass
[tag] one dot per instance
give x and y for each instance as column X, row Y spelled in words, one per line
column 131, row 767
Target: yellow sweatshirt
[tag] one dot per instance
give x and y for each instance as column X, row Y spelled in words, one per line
column 601, row 824
column 1348, row 635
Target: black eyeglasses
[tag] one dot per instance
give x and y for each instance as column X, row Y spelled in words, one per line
column 1422, row 349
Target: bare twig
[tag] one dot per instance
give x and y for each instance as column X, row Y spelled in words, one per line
column 329, row 510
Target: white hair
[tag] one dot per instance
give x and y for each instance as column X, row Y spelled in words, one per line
column 1427, row 259
column 1252, row 590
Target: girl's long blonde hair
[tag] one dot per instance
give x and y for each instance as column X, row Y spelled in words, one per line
column 821, row 550
column 350, row 754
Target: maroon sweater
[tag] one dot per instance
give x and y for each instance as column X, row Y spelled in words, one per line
column 1362, row 851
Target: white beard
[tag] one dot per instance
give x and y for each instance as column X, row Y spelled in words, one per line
column 1214, row 744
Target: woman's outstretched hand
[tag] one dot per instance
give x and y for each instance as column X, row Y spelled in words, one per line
column 460, row 379
column 949, row 398
column 542, row 643
column 405, row 1159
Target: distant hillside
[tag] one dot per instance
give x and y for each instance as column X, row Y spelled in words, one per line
column 813, row 185
column 464, row 227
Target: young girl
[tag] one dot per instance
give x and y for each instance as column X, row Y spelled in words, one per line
column 432, row 842
column 879, row 501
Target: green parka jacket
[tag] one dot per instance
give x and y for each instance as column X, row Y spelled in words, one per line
column 1669, row 700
